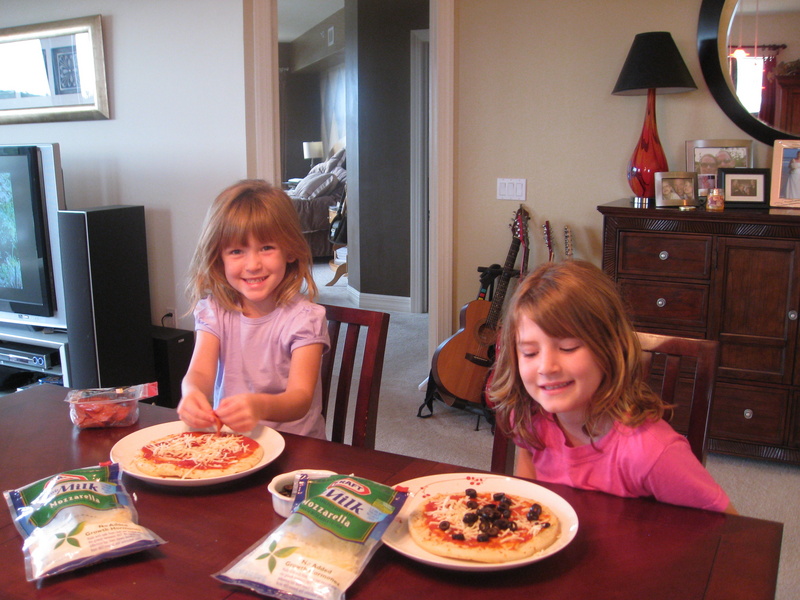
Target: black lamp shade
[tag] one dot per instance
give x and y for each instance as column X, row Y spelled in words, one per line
column 654, row 62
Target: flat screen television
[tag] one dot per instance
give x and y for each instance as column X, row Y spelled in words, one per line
column 31, row 194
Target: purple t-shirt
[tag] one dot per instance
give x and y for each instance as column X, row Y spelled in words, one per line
column 652, row 460
column 255, row 354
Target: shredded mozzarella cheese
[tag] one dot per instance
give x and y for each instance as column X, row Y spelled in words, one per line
column 206, row 451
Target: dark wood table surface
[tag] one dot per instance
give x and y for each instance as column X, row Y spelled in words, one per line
column 625, row 548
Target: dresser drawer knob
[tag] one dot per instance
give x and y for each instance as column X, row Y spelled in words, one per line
column 663, row 255
column 748, row 413
column 793, row 315
column 661, row 303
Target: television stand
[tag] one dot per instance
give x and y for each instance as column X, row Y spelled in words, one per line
column 23, row 334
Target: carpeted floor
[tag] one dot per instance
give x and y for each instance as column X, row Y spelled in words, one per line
column 758, row 489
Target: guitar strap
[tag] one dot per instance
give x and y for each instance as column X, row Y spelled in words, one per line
column 488, row 275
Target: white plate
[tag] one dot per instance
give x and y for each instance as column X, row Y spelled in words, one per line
column 124, row 451
column 398, row 538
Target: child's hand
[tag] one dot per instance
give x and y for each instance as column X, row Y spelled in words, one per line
column 195, row 410
column 238, row 412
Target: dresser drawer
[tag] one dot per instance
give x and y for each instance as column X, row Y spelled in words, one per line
column 748, row 413
column 662, row 255
column 674, row 304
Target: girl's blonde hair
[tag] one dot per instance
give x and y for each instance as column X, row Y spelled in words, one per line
column 249, row 208
column 574, row 299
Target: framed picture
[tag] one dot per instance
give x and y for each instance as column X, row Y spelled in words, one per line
column 745, row 188
column 676, row 188
column 705, row 157
column 785, row 174
column 56, row 72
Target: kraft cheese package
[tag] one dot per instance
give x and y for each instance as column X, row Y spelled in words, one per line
column 74, row 519
column 333, row 530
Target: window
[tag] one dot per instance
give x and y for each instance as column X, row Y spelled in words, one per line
column 749, row 82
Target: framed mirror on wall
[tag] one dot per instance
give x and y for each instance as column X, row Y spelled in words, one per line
column 53, row 72
column 769, row 31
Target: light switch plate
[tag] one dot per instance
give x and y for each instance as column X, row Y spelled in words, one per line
column 511, row 189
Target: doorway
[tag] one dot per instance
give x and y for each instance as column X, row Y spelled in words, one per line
column 263, row 137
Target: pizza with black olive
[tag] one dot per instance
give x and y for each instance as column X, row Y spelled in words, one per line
column 484, row 527
column 198, row 455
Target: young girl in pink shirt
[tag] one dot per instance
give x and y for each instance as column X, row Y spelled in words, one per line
column 568, row 388
column 260, row 338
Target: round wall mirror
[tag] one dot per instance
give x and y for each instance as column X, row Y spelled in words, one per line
column 763, row 28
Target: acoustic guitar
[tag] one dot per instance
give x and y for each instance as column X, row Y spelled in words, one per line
column 461, row 363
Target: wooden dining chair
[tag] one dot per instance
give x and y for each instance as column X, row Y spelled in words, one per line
column 368, row 362
column 681, row 370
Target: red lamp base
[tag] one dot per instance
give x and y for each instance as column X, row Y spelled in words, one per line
column 648, row 157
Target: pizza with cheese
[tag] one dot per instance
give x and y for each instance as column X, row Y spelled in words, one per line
column 198, row 455
column 484, row 527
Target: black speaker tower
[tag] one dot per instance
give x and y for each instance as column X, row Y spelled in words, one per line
column 106, row 296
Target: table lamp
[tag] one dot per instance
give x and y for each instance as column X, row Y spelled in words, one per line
column 312, row 150
column 653, row 63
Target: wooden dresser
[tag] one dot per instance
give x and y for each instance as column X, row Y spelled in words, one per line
column 732, row 276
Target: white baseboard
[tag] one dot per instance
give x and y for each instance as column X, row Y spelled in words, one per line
column 379, row 301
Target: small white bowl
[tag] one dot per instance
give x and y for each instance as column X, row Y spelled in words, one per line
column 282, row 503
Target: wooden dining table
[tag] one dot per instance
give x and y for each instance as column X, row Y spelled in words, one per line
column 624, row 548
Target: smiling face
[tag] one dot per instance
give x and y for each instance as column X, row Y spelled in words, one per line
column 561, row 374
column 255, row 270
column 725, row 160
column 708, row 164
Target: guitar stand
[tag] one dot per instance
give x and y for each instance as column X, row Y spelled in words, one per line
column 432, row 393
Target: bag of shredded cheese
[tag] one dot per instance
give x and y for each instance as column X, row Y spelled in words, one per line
column 335, row 527
column 76, row 518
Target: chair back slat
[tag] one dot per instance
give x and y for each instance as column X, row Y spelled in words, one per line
column 367, row 364
column 678, row 357
column 669, row 382
column 647, row 364
column 326, row 371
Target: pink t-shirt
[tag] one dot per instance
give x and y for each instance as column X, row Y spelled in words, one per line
column 651, row 460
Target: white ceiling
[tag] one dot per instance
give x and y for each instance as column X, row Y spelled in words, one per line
column 295, row 17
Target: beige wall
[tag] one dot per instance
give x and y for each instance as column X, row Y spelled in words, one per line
column 176, row 136
column 534, row 81
column 533, row 101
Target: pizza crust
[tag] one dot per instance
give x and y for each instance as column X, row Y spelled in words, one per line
column 191, row 465
column 530, row 538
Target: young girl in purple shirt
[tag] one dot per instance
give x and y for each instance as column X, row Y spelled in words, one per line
column 260, row 338
column 568, row 388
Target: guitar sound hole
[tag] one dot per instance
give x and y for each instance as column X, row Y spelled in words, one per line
column 486, row 335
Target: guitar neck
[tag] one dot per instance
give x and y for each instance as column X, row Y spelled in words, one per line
column 568, row 242
column 502, row 285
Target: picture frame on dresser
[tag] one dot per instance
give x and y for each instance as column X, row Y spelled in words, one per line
column 785, row 174
column 676, row 188
column 706, row 157
column 745, row 188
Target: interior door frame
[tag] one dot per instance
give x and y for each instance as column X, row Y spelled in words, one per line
column 262, row 94
column 420, row 163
